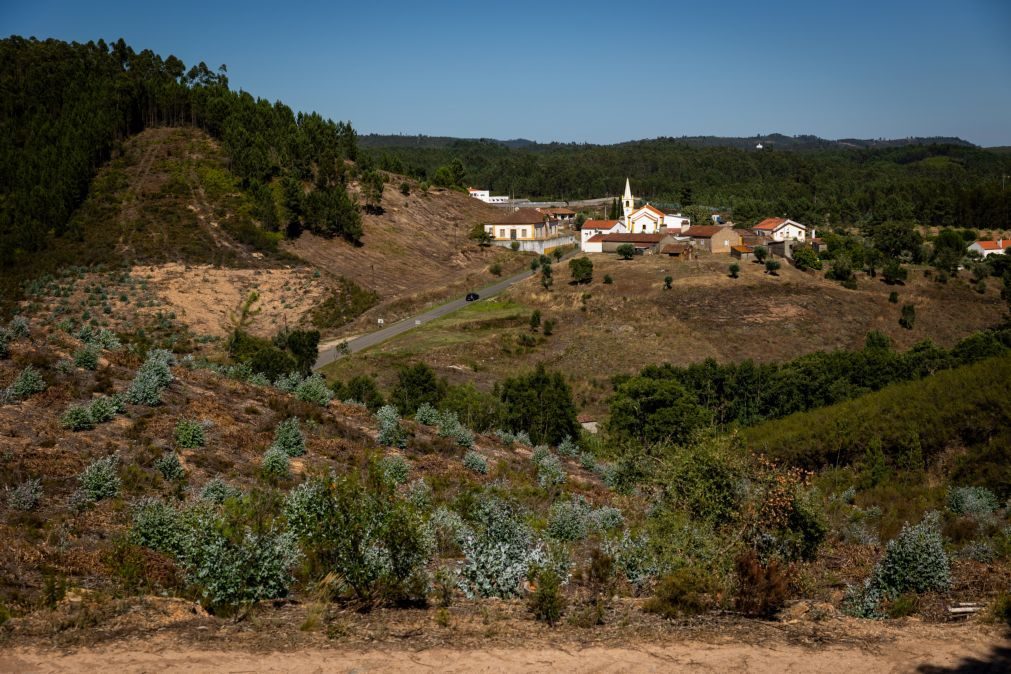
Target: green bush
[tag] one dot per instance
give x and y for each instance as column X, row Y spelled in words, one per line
column 86, row 357
column 28, row 382
column 25, row 496
column 151, row 379
column 189, row 434
column 685, row 592
column 157, row 525
column 360, row 530
column 170, row 467
column 550, row 472
column 275, row 464
column 288, row 437
column 569, row 520
column 427, row 414
column 19, row 328
column 976, row 502
column 217, row 491
column 547, row 601
column 498, row 556
column 313, row 389
column 607, row 279
column 100, row 480
column 395, row 469
column 391, row 433
column 474, row 462
column 77, row 418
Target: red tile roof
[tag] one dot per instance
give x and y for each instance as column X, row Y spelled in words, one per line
column 520, row 216
column 557, row 211
column 743, row 249
column 703, row 231
column 600, row 224
column 770, row 224
column 651, row 207
column 674, row 248
column 993, row 245
column 631, row 238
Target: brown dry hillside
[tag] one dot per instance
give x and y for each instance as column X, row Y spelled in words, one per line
column 417, row 252
column 606, row 329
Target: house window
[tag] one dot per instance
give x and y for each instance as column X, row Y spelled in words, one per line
column 501, row 234
column 523, row 233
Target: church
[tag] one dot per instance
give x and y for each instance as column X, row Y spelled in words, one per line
column 649, row 219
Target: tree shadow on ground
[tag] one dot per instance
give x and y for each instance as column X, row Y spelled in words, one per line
column 998, row 660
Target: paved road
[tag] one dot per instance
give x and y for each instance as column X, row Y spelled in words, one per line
column 328, row 356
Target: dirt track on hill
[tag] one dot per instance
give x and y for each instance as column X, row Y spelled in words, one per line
column 915, row 651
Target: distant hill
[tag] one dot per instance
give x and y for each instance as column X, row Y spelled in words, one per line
column 770, row 141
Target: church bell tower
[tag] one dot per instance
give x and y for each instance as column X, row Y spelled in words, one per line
column 627, row 202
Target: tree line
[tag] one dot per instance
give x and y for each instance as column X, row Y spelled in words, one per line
column 66, row 107
column 932, row 184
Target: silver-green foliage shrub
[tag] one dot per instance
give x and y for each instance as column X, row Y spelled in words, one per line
column 522, row 437
column 976, row 502
column 313, row 389
column 550, row 472
column 151, row 379
column 288, row 382
column 86, row 357
column 218, row 491
column 395, row 469
column 275, row 464
column 28, row 382
column 363, row 532
column 288, row 437
column 419, row 494
column 633, row 557
column 189, row 434
column 914, row 561
column 568, row 448
column 100, row 339
column 157, row 525
column 77, row 418
column 25, row 496
column 449, row 426
column 447, row 529
column 427, row 415
column 18, row 327
column 498, row 556
column 505, row 436
column 569, row 520
column 607, row 518
column 475, row 462
column 391, row 434
column 170, row 467
column 105, row 408
column 99, row 480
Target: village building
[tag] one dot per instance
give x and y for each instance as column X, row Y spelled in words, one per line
column 530, row 229
column 643, row 243
column 679, row 251
column 781, row 229
column 564, row 215
column 714, row 238
column 592, row 228
column 648, row 219
column 743, row 252
column 988, row 248
column 486, row 196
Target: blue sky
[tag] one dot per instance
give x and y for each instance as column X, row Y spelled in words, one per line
column 589, row 71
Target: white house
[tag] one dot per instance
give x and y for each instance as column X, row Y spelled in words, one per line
column 486, row 197
column 988, row 248
column 530, row 229
column 781, row 229
column 649, row 219
column 593, row 227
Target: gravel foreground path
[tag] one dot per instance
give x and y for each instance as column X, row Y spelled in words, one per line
column 903, row 655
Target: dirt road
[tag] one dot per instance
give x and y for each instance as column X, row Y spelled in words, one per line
column 912, row 653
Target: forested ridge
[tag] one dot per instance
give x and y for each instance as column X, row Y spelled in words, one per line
column 938, row 184
column 66, row 107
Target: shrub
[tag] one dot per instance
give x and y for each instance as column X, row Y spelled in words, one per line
column 547, row 601
column 893, row 297
column 447, row 529
column 908, row 317
column 363, row 532
column 170, row 467
column 734, row 269
column 667, row 281
column 18, row 328
column 772, row 267
column 625, row 251
column 395, row 469
column 976, row 502
column 189, row 434
column 498, row 556
column 25, row 496
column 449, row 426
column 275, row 464
column 288, row 382
column 390, row 432
column 550, row 472
column 5, row 338
column 288, row 437
column 569, row 520
column 607, row 518
column 77, row 418
column 419, row 494
column 684, row 592
column 762, row 589
column 86, row 357
column 157, row 525
column 99, row 479
column 427, row 415
column 105, row 408
column 217, row 491
column 475, row 462
column 607, row 279
column 151, row 379
column 28, row 382
column 568, row 448
column 313, row 389
column 914, row 561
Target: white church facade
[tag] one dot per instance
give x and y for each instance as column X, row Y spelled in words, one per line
column 646, row 219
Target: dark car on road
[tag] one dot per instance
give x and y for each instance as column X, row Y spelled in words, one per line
column 472, row 296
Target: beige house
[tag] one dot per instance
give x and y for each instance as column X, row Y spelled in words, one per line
column 714, row 238
column 531, row 230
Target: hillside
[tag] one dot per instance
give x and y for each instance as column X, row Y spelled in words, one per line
column 606, row 329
